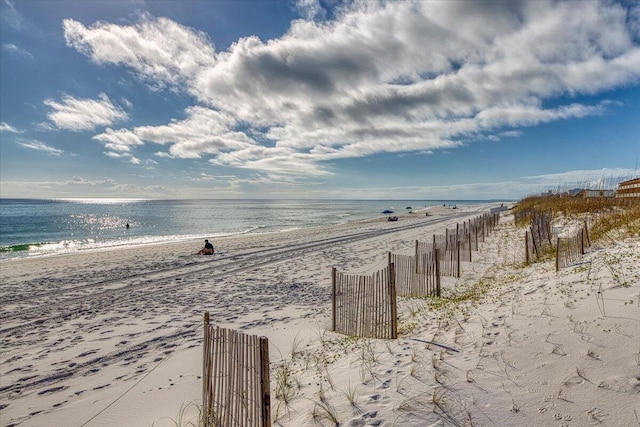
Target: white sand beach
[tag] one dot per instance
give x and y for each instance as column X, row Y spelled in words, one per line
column 114, row 338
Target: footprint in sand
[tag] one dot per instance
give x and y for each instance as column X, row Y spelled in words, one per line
column 386, row 383
column 563, row 417
column 92, row 371
column 368, row 419
column 621, row 384
column 52, row 390
column 597, row 415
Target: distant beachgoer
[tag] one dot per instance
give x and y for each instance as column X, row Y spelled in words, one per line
column 207, row 250
column 127, row 226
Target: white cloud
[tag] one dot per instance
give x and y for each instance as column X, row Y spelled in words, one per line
column 118, row 140
column 13, row 49
column 591, row 179
column 11, row 16
column 311, row 9
column 40, row 146
column 126, row 102
column 233, row 186
column 160, row 50
column 115, row 155
column 78, row 186
column 634, row 19
column 6, row 127
column 407, row 76
column 203, row 131
column 84, row 114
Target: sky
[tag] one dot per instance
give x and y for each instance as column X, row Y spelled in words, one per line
column 317, row 98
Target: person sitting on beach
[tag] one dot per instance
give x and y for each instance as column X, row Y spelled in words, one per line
column 207, row 250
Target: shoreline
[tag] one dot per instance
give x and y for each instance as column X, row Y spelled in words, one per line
column 80, row 242
column 182, row 239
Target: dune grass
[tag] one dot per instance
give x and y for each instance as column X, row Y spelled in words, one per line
column 606, row 214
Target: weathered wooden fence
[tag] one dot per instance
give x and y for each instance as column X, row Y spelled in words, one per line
column 448, row 254
column 456, row 246
column 523, row 217
column 416, row 276
column 538, row 237
column 235, row 380
column 474, row 232
column 462, row 238
column 569, row 249
column 481, row 226
column 365, row 306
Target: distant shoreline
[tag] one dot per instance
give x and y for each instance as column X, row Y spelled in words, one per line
column 101, row 226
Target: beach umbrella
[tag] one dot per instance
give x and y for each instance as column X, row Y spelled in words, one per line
column 386, row 212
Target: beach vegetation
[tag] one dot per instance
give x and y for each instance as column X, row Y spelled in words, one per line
column 286, row 382
column 610, row 217
column 323, row 410
column 295, row 346
column 351, row 393
column 191, row 415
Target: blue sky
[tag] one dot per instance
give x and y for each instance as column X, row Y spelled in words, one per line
column 317, row 99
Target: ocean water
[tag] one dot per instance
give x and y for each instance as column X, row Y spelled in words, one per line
column 30, row 228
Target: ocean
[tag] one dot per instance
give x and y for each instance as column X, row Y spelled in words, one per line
column 31, row 228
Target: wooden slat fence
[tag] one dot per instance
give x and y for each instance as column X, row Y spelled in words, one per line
column 457, row 246
column 538, row 237
column 471, row 228
column 417, row 276
column 524, row 217
column 570, row 249
column 460, row 237
column 365, row 306
column 448, row 254
column 235, row 381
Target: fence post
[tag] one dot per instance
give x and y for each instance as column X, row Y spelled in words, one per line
column 558, row 255
column 586, row 230
column 264, row 382
column 475, row 227
column 392, row 297
column 417, row 269
column 333, row 299
column 582, row 241
column 206, row 371
column 526, row 247
column 446, row 239
column 435, row 254
column 458, row 256
column 469, row 238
